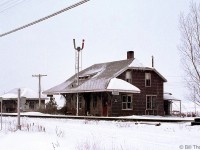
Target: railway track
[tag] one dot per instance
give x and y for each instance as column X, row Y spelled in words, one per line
column 124, row 119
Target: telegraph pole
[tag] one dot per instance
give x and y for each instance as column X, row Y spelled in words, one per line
column 39, row 88
column 78, row 49
column 18, row 110
column 1, row 110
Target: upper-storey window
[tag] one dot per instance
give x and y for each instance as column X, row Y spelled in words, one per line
column 148, row 79
column 128, row 77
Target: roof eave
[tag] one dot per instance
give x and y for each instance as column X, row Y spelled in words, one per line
column 26, row 98
column 148, row 68
column 91, row 91
column 124, row 91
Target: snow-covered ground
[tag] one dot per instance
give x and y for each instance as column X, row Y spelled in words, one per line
column 67, row 134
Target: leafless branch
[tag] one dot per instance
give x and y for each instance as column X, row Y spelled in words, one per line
column 190, row 50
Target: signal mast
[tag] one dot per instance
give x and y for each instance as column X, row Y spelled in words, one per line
column 77, row 68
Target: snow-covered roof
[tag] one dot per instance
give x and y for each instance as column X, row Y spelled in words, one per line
column 168, row 96
column 92, row 79
column 122, row 86
column 25, row 92
column 97, row 77
column 136, row 64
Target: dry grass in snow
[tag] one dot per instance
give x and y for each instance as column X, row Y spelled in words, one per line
column 67, row 134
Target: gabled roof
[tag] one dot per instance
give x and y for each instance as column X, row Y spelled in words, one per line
column 25, row 92
column 94, row 78
column 97, row 78
column 139, row 66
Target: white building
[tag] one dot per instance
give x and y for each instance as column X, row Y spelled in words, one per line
column 29, row 100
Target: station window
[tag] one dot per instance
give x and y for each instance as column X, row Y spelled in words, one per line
column 128, row 77
column 147, row 79
column 127, row 102
column 94, row 101
column 80, row 102
column 151, row 102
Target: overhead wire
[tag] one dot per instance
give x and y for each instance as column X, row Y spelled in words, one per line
column 45, row 18
column 8, row 5
column 5, row 2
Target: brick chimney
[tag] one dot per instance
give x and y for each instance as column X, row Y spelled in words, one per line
column 130, row 54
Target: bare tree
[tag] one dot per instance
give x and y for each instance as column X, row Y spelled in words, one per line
column 190, row 50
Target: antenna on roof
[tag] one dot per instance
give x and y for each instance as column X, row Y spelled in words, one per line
column 152, row 61
column 77, row 66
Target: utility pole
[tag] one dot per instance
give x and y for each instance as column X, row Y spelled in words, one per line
column 1, row 110
column 39, row 88
column 18, row 110
column 78, row 49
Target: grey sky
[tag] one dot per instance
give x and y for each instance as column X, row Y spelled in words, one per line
column 110, row 29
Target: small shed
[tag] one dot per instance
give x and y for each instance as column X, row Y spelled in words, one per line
column 168, row 101
column 29, row 100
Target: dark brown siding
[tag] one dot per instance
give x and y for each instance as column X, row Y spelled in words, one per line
column 111, row 105
column 102, row 108
column 139, row 100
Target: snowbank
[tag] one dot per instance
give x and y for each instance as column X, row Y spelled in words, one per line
column 64, row 134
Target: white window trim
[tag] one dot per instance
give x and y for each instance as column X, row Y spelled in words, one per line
column 151, row 101
column 126, row 102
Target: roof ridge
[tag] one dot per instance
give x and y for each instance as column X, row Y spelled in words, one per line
column 114, row 61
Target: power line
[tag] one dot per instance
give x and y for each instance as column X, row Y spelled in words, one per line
column 9, row 2
column 10, row 5
column 45, row 18
column 6, row 2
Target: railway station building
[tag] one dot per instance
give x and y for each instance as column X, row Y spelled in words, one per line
column 117, row 88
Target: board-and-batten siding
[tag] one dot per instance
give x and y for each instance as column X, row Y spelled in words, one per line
column 139, row 100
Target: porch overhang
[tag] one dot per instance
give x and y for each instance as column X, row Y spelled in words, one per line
column 114, row 84
column 169, row 97
column 120, row 85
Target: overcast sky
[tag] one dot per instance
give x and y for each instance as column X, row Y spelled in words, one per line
column 110, row 29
